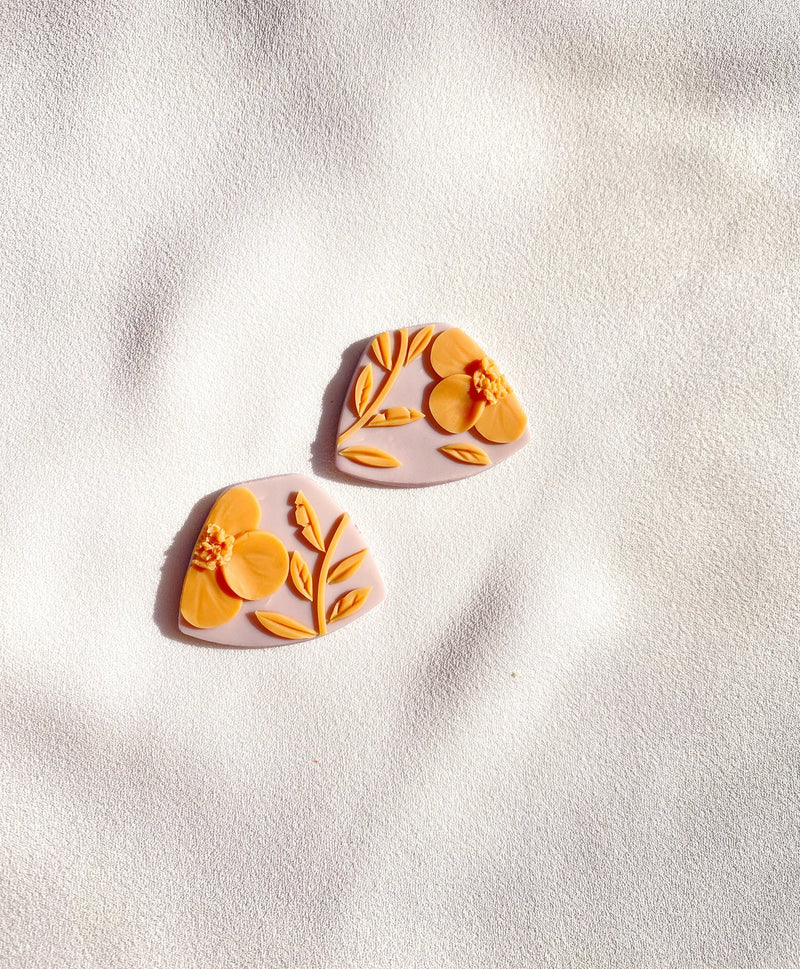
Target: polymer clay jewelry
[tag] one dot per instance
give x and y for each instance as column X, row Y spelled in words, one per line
column 276, row 560
column 425, row 407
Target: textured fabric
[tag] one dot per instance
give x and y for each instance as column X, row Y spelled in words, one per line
column 570, row 735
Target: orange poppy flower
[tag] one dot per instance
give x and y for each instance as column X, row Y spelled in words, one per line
column 231, row 561
column 472, row 392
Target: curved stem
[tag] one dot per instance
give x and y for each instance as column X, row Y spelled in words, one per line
column 319, row 598
column 385, row 388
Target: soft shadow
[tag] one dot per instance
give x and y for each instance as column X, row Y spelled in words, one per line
column 176, row 558
column 454, row 665
column 323, row 448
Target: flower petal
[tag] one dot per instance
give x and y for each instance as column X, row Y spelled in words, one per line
column 503, row 422
column 258, row 567
column 453, row 351
column 204, row 603
column 452, row 405
column 236, row 511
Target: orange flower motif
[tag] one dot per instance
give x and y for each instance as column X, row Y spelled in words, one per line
column 231, row 561
column 472, row 391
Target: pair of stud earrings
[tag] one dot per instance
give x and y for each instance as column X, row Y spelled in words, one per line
column 423, row 407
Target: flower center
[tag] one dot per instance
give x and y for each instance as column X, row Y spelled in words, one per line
column 214, row 547
column 489, row 383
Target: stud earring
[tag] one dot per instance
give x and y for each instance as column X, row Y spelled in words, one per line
column 276, row 560
column 425, row 407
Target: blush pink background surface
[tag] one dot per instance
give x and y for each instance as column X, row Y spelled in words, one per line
column 569, row 735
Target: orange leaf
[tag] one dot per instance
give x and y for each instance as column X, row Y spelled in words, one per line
column 301, row 576
column 394, row 417
column 382, row 350
column 421, row 339
column 349, row 603
column 466, row 453
column 306, row 518
column 363, row 389
column 372, row 457
column 347, row 567
column 284, row 626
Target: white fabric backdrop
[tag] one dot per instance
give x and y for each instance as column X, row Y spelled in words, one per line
column 205, row 210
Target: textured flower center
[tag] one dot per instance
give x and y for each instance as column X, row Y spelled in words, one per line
column 214, row 547
column 489, row 383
